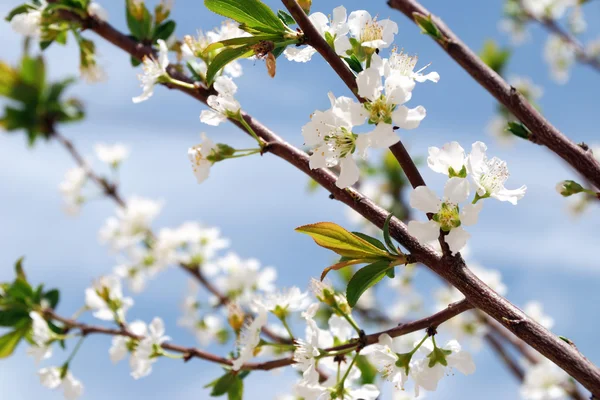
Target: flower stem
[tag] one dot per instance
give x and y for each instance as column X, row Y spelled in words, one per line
column 249, row 129
column 287, row 327
column 349, row 319
column 181, row 83
column 341, row 383
column 75, row 350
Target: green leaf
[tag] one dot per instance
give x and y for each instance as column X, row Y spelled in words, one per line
column 250, row 13
column 364, row 278
column 339, row 240
column 371, row 239
column 239, row 41
column 518, row 129
column 53, row 297
column 391, row 273
column 386, row 235
column 13, row 316
column 236, row 390
column 287, row 18
column 33, row 71
column 427, row 25
column 368, row 371
column 495, row 57
column 134, row 61
column 223, row 384
column 9, row 342
column 18, row 10
column 19, row 271
column 224, row 58
column 164, row 31
column 354, row 64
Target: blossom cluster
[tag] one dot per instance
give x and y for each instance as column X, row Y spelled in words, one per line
column 448, row 215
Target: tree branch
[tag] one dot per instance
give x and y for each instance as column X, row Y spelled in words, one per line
column 191, row 352
column 452, row 269
column 543, row 131
column 551, row 26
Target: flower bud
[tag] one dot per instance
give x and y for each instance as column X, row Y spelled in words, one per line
column 305, row 5
column 235, row 316
column 569, row 188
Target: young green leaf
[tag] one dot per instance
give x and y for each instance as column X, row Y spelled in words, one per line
column 236, row 390
column 428, row 26
column 164, row 31
column 386, row 235
column 368, row 371
column 9, row 342
column 223, row 384
column 19, row 271
column 285, row 17
column 224, row 58
column 518, row 129
column 339, row 240
column 494, row 56
column 251, row 13
column 370, row 239
column 53, row 297
column 364, row 278
column 354, row 64
column 13, row 316
column 239, row 41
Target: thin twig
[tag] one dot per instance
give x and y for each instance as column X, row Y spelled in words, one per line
column 191, row 352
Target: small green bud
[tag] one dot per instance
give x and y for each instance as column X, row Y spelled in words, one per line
column 569, row 188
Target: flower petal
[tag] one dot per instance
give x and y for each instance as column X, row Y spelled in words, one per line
column 456, row 190
column 349, row 172
column 425, row 232
column 425, row 199
column 408, row 118
column 457, row 239
column 470, row 213
column 369, row 84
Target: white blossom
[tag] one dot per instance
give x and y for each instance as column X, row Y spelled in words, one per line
column 489, row 176
column 316, row 338
column 283, row 302
column 131, row 224
column 404, row 64
column 41, row 336
column 71, row 188
column 385, row 101
column 153, row 71
column 535, row 311
column 449, row 160
column 148, row 349
column 370, row 32
column 92, row 73
column 122, row 345
column 29, row 22
column 550, row 9
column 223, row 105
column 96, row 10
column 249, row 339
column 330, row 134
column 544, row 381
column 337, row 27
column 53, row 378
column 447, row 214
column 112, row 155
column 560, row 56
column 191, row 243
column 106, row 299
column 198, row 156
column 240, row 278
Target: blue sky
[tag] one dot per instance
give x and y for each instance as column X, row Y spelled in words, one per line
column 542, row 252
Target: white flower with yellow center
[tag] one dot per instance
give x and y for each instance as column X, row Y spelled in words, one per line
column 199, row 155
column 447, row 215
column 489, row 176
column 153, row 70
column 405, row 65
column 560, row 55
column 330, row 134
column 335, row 28
column 385, row 101
column 370, row 32
column 112, row 155
column 223, row 105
